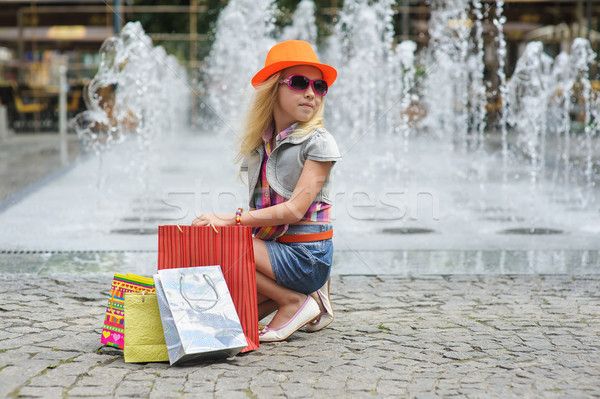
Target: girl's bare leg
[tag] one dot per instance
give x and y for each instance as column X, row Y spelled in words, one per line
column 266, row 308
column 269, row 306
column 261, row 298
column 287, row 301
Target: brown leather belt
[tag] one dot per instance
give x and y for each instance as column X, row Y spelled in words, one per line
column 324, row 235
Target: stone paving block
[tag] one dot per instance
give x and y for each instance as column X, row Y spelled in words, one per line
column 338, row 383
column 79, row 342
column 203, row 376
column 305, row 376
column 98, row 376
column 463, row 356
column 270, row 391
column 56, row 355
column 56, row 376
column 234, row 394
column 130, row 388
column 323, row 365
column 479, row 393
column 90, row 392
column 447, row 385
column 297, row 390
column 14, row 376
column 52, row 325
column 16, row 343
column 170, row 381
column 26, row 349
column 231, row 384
column 6, row 334
column 427, row 395
column 360, row 383
column 11, row 357
column 325, row 393
column 419, row 385
column 166, row 391
column 200, row 391
column 389, row 387
column 39, row 392
column 87, row 381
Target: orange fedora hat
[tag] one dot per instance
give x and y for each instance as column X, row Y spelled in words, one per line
column 291, row 53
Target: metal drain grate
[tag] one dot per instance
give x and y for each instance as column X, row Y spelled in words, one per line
column 531, row 231
column 407, row 230
column 52, row 252
column 503, row 219
column 137, row 231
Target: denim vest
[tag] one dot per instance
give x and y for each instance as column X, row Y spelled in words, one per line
column 286, row 162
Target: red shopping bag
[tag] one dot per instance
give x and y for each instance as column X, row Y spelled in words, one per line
column 231, row 248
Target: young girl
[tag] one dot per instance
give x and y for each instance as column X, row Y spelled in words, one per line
column 289, row 156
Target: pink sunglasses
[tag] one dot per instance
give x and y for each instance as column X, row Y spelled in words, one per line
column 301, row 83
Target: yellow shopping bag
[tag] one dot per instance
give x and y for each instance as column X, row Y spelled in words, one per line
column 114, row 322
column 144, row 337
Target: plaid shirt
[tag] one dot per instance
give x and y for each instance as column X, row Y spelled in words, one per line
column 266, row 196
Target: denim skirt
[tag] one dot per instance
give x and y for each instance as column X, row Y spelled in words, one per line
column 302, row 266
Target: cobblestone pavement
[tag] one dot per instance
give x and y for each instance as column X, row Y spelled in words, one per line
column 426, row 337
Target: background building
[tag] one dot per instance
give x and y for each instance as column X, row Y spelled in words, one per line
column 37, row 36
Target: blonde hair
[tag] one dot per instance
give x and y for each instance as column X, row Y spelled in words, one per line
column 260, row 117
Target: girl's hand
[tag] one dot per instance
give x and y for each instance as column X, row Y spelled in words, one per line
column 207, row 219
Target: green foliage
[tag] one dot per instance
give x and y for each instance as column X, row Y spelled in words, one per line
column 179, row 22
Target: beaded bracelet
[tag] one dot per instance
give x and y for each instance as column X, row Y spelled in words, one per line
column 238, row 216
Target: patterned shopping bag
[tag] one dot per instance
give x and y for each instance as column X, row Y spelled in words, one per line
column 231, row 248
column 114, row 321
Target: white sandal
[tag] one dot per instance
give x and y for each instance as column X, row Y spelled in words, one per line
column 307, row 313
column 325, row 318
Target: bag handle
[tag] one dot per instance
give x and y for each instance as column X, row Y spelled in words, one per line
column 117, row 286
column 190, row 300
column 210, row 224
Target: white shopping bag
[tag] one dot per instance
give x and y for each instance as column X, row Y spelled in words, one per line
column 198, row 316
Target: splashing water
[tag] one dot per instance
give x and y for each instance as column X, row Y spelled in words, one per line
column 412, row 125
column 446, row 94
column 304, row 26
column 367, row 92
column 425, row 113
column 138, row 90
column 244, row 35
column 527, row 105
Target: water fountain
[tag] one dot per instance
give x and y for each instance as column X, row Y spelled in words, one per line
column 441, row 190
column 139, row 92
column 244, row 29
column 440, row 177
